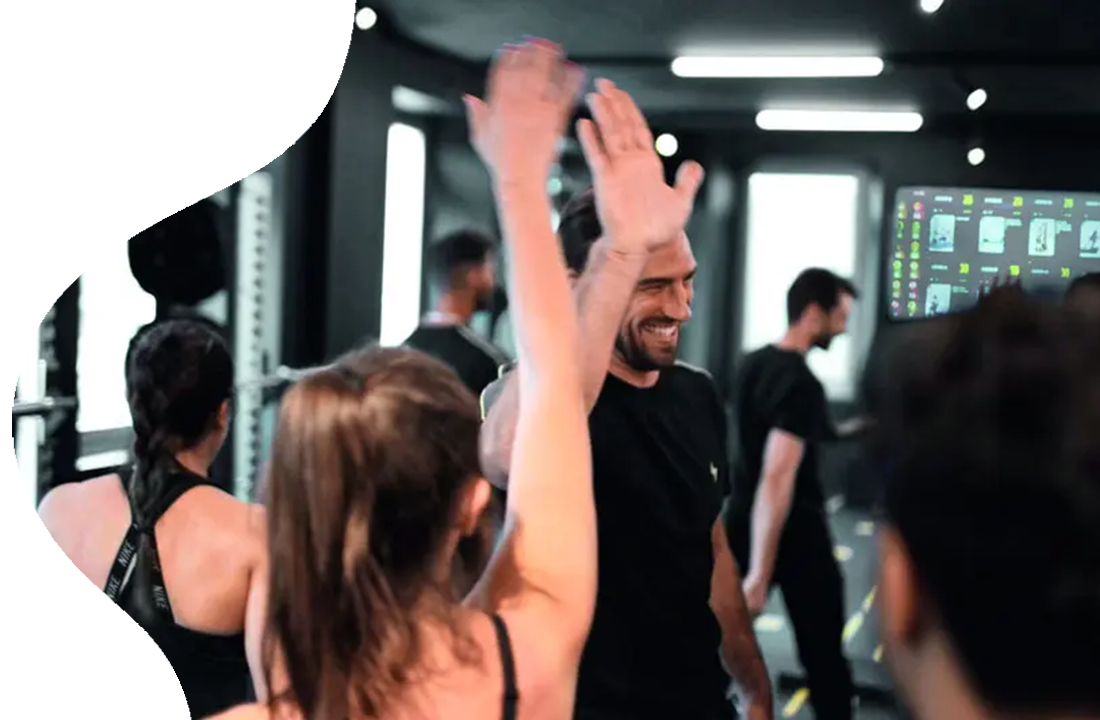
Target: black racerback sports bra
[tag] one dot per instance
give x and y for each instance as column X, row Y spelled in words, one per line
column 212, row 669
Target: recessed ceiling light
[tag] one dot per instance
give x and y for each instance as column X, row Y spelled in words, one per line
column 976, row 99
column 839, row 121
column 931, row 6
column 667, row 145
column 365, row 18
column 734, row 66
column 976, row 156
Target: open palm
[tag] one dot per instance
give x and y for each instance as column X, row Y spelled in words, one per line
column 639, row 211
column 531, row 94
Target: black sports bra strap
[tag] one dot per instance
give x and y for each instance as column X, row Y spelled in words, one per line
column 124, row 565
column 508, row 664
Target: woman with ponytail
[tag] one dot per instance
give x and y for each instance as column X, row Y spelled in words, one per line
column 186, row 560
column 375, row 488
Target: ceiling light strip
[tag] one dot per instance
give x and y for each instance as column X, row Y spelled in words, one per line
column 776, row 67
column 839, row 121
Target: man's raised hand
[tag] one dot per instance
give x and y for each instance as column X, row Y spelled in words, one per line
column 639, row 211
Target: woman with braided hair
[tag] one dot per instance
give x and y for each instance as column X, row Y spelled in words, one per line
column 186, row 560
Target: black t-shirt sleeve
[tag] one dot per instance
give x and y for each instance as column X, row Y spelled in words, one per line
column 798, row 404
column 492, row 391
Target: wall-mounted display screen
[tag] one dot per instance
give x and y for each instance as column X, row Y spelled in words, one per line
column 948, row 245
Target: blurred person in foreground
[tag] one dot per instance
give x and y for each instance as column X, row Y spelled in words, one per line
column 989, row 574
column 375, row 481
column 1083, row 296
column 671, row 626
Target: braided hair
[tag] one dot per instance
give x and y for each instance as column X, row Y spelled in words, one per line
column 178, row 374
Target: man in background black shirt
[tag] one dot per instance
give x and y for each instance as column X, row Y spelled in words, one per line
column 462, row 274
column 777, row 524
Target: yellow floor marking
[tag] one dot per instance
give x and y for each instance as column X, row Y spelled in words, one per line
column 869, row 600
column 853, row 626
column 878, row 654
column 796, row 702
column 842, row 553
column 769, row 623
column 865, row 529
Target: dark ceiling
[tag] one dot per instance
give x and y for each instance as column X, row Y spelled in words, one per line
column 1035, row 58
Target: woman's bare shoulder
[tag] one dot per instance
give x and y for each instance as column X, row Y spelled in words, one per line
column 240, row 518
column 72, row 498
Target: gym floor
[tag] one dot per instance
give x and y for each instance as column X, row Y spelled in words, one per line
column 853, row 531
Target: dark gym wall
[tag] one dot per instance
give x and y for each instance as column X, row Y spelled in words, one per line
column 305, row 232
column 459, row 191
column 361, row 113
column 334, row 291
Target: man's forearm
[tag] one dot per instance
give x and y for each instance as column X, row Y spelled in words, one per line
column 603, row 293
column 769, row 514
column 741, row 653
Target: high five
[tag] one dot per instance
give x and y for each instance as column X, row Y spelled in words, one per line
column 368, row 504
column 670, row 612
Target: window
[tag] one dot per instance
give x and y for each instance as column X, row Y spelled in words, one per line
column 112, row 308
column 403, row 233
column 797, row 221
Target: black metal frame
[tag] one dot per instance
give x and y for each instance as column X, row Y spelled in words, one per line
column 58, row 347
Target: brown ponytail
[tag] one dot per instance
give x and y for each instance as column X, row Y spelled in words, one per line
column 368, row 462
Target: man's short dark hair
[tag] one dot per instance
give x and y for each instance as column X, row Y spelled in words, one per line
column 988, row 439
column 816, row 286
column 579, row 228
column 455, row 252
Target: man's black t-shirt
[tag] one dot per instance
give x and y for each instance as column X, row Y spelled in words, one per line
column 476, row 360
column 775, row 389
column 660, row 475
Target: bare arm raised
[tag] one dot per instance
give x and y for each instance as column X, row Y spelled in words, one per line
column 639, row 213
column 543, row 576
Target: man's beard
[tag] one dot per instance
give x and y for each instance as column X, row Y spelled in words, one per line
column 823, row 341
column 635, row 355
